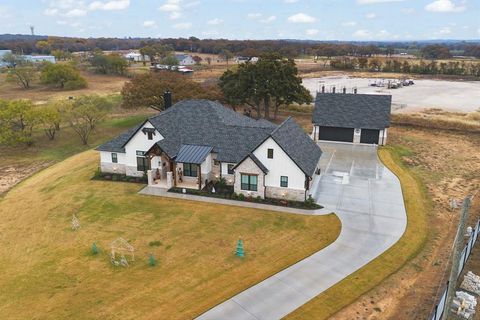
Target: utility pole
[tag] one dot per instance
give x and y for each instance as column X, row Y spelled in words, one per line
column 457, row 253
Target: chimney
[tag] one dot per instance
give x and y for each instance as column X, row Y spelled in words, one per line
column 323, row 89
column 344, row 90
column 167, row 99
column 354, row 90
column 333, row 89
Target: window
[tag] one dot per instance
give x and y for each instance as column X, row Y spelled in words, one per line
column 216, row 162
column 230, row 168
column 248, row 182
column 114, row 158
column 284, row 181
column 270, row 153
column 142, row 162
column 189, row 170
column 150, row 135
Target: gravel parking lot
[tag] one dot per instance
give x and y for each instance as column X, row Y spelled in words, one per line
column 461, row 96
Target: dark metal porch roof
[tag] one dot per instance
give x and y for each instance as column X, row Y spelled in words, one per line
column 193, row 153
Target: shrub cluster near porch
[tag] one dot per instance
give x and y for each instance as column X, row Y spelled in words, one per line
column 223, row 191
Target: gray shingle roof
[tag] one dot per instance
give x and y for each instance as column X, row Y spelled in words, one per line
column 298, row 145
column 193, row 154
column 117, row 144
column 204, row 122
column 231, row 135
column 364, row 111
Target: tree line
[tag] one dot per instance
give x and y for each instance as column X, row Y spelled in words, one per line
column 287, row 48
column 263, row 86
column 461, row 68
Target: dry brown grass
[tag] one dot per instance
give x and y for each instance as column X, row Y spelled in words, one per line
column 48, row 272
column 39, row 93
column 438, row 119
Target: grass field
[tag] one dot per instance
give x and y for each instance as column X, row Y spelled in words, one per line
column 48, row 272
column 367, row 278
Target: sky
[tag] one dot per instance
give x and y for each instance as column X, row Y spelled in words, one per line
column 358, row 20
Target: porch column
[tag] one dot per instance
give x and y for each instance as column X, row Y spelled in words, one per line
column 199, row 168
column 174, row 172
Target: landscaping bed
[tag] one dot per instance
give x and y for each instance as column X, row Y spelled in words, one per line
column 222, row 191
column 118, row 177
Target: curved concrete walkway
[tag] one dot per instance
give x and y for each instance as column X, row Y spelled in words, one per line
column 368, row 199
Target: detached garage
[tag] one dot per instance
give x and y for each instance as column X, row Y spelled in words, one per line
column 354, row 118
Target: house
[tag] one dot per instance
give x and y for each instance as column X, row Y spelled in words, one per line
column 3, row 53
column 357, row 118
column 184, row 59
column 197, row 141
column 39, row 59
column 136, row 57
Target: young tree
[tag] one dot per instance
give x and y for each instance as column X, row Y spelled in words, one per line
column 109, row 64
column 18, row 119
column 84, row 114
column 226, row 55
column 197, row 59
column 50, row 117
column 64, row 76
column 169, row 60
column 20, row 71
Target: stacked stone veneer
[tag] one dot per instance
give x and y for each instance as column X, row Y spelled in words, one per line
column 249, row 167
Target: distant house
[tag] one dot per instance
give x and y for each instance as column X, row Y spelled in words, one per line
column 39, row 59
column 136, row 57
column 197, row 141
column 3, row 53
column 184, row 59
column 357, row 118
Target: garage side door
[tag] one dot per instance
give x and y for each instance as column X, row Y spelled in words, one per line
column 336, row 134
column 369, row 136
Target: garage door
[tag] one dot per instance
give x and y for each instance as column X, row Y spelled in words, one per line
column 369, row 136
column 336, row 134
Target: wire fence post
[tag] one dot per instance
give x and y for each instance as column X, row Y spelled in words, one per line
column 457, row 253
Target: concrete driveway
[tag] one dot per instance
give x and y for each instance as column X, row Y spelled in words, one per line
column 368, row 199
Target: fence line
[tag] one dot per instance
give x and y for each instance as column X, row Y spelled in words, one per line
column 440, row 308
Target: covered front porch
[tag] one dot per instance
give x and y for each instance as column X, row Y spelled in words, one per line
column 190, row 168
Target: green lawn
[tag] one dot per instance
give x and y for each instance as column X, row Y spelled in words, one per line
column 413, row 240
column 48, row 272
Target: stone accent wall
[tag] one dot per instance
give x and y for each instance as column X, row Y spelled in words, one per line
column 249, row 167
column 132, row 171
column 215, row 168
column 112, row 167
column 285, row 193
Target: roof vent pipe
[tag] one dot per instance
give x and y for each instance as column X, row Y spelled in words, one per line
column 167, row 99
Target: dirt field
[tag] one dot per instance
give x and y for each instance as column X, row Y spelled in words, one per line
column 460, row 96
column 449, row 165
column 97, row 84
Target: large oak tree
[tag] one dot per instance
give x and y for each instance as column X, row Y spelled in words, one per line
column 269, row 83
